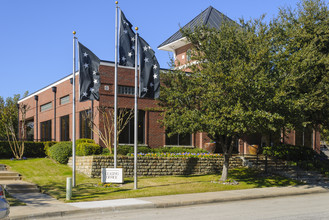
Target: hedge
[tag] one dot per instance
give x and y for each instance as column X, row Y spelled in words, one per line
column 290, row 152
column 61, row 151
column 178, row 150
column 5, row 151
column 129, row 149
column 84, row 140
column 47, row 145
column 31, row 149
column 85, row 149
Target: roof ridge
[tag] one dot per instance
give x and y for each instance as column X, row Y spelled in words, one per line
column 209, row 10
column 210, row 17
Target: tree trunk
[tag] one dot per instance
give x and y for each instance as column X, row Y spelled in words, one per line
column 227, row 146
column 225, row 167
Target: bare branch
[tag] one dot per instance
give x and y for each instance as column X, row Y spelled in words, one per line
column 105, row 128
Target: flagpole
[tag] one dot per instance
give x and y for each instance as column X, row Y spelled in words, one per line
column 116, row 86
column 136, row 110
column 73, row 111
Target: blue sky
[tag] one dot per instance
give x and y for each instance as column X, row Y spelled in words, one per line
column 36, row 35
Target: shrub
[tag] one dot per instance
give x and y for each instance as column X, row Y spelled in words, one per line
column 128, row 149
column 143, row 149
column 184, row 155
column 124, row 149
column 5, row 151
column 61, row 152
column 85, row 149
column 84, row 140
column 106, row 151
column 31, row 149
column 34, row 149
column 48, row 144
column 178, row 150
column 290, row 152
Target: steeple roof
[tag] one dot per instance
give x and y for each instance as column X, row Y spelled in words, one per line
column 210, row 17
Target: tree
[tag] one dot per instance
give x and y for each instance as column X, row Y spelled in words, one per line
column 8, row 112
column 303, row 38
column 231, row 91
column 9, row 124
column 105, row 129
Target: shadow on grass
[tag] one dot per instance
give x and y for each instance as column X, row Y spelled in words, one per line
column 82, row 191
column 91, row 191
column 172, row 184
column 260, row 179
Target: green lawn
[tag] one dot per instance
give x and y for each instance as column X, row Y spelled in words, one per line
column 51, row 177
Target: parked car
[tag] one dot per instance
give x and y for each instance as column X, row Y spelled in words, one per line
column 4, row 205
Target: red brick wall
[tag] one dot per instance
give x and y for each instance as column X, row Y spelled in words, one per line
column 63, row 89
column 126, row 76
column 181, row 57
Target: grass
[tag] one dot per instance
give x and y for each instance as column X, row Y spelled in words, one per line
column 51, row 177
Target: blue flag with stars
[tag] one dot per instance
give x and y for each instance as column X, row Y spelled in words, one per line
column 127, row 42
column 149, row 71
column 88, row 74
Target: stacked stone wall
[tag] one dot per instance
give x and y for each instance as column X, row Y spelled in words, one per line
column 147, row 166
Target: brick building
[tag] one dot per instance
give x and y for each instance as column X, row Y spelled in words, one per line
column 50, row 113
column 180, row 47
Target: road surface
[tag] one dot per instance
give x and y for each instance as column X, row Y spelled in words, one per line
column 313, row 206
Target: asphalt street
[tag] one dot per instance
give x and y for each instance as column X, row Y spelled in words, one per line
column 302, row 207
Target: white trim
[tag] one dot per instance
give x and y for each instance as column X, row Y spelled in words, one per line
column 187, row 65
column 174, row 45
column 182, row 146
column 113, row 65
column 48, row 87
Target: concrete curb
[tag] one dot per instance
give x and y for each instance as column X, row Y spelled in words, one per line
column 186, row 200
column 234, row 195
column 80, row 211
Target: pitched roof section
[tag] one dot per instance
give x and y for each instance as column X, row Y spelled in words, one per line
column 210, row 17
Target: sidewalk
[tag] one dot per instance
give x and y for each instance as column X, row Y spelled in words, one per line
column 43, row 206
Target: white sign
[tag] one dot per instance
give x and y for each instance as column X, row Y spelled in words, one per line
column 112, row 175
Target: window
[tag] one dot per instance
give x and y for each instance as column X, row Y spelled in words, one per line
column 188, row 55
column 179, row 139
column 85, row 131
column 45, row 130
column 126, row 90
column 46, row 106
column 304, row 137
column 65, row 128
column 64, row 100
column 127, row 134
column 30, row 130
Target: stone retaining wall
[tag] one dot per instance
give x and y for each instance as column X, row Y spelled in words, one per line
column 163, row 166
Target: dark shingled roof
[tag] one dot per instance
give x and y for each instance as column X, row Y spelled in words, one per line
column 210, row 17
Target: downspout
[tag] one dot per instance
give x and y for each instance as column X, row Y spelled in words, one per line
column 36, row 98
column 54, row 88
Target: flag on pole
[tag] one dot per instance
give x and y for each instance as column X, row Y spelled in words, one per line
column 149, row 71
column 127, row 42
column 88, row 74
